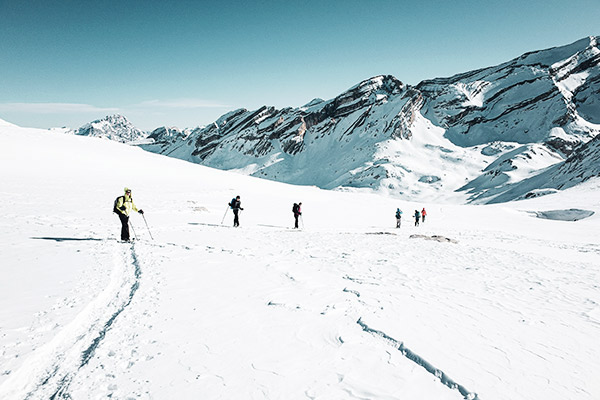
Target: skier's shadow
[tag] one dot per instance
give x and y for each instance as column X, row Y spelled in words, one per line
column 206, row 224
column 65, row 239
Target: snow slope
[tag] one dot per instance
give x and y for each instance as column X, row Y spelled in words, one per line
column 4, row 123
column 346, row 308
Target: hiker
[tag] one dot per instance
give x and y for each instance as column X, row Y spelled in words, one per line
column 423, row 214
column 297, row 212
column 236, row 206
column 417, row 217
column 123, row 206
column 398, row 217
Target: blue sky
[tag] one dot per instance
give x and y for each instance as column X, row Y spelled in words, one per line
column 185, row 63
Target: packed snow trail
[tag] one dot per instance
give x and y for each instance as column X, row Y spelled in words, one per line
column 48, row 373
column 62, row 391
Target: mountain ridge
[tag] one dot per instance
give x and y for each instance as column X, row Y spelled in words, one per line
column 472, row 136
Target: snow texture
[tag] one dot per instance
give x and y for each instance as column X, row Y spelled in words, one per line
column 347, row 307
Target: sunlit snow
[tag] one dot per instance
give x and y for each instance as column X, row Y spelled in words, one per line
column 486, row 302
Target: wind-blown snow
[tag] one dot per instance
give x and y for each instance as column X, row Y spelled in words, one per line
column 348, row 307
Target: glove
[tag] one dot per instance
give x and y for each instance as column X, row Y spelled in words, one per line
column 141, row 212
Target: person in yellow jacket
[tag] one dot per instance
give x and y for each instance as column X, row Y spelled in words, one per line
column 123, row 207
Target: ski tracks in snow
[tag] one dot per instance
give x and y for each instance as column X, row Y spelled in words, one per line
column 49, row 370
column 417, row 359
column 353, row 273
column 418, row 292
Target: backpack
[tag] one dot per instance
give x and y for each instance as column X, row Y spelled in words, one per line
column 398, row 214
column 115, row 209
column 232, row 203
column 295, row 208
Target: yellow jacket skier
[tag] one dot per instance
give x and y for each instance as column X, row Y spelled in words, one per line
column 123, row 207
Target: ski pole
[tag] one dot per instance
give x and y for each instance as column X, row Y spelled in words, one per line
column 224, row 215
column 134, row 234
column 147, row 226
column 302, row 220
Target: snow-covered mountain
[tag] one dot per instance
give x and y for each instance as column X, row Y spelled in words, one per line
column 582, row 165
column 481, row 131
column 166, row 133
column 523, row 100
column 114, row 127
column 473, row 137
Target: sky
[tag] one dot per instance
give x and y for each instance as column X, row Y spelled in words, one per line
column 185, row 63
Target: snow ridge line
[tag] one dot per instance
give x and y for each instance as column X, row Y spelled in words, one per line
column 406, row 352
column 48, row 372
column 86, row 356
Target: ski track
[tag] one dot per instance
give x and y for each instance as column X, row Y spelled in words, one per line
column 411, row 355
column 47, row 373
column 350, row 284
column 373, row 278
column 547, row 285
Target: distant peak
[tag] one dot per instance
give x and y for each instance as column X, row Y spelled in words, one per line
column 115, row 117
column 313, row 102
column 115, row 127
column 386, row 83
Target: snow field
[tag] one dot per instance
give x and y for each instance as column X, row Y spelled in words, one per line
column 510, row 311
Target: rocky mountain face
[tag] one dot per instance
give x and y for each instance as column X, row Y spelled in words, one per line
column 318, row 143
column 489, row 135
column 113, row 127
column 581, row 165
column 546, row 103
column 522, row 100
column 476, row 134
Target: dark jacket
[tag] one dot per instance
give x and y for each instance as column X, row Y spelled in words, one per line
column 236, row 205
column 296, row 210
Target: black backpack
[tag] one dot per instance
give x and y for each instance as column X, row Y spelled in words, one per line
column 115, row 209
column 295, row 208
column 232, row 203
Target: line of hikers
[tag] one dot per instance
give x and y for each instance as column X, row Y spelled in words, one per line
column 236, row 205
column 418, row 215
column 123, row 206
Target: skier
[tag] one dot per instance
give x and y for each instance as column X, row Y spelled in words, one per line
column 123, row 206
column 236, row 206
column 297, row 212
column 423, row 214
column 417, row 217
column 398, row 217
